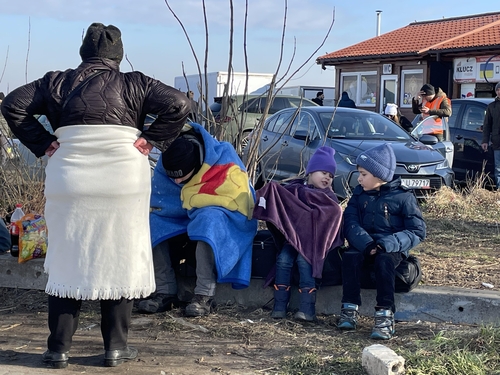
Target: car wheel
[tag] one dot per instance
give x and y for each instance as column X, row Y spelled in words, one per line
column 243, row 141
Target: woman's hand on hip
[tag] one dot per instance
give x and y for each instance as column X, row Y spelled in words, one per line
column 143, row 146
column 52, row 148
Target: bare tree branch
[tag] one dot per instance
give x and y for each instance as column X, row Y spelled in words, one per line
column 131, row 66
column 5, row 64
column 28, row 50
column 210, row 116
column 228, row 106
column 189, row 40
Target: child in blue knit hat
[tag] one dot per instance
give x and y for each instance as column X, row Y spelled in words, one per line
column 382, row 222
column 305, row 219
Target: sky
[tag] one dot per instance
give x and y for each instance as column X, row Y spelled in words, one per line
column 43, row 35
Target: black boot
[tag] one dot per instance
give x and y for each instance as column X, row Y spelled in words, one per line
column 56, row 360
column 113, row 358
column 281, row 298
column 307, row 309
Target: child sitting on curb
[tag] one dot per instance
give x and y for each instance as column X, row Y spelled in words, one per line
column 305, row 219
column 382, row 222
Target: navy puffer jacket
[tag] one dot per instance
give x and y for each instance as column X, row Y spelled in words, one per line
column 111, row 98
column 389, row 217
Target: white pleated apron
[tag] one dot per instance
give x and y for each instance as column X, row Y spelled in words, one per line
column 97, row 191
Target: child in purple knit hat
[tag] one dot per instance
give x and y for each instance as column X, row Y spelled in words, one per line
column 305, row 219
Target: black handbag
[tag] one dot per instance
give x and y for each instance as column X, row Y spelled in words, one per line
column 408, row 275
column 264, row 252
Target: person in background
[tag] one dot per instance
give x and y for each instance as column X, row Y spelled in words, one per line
column 319, row 98
column 200, row 188
column 193, row 115
column 345, row 101
column 430, row 102
column 382, row 222
column 391, row 111
column 4, row 237
column 305, row 218
column 491, row 131
column 4, row 144
column 97, row 186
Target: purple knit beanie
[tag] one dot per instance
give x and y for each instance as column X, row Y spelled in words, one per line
column 322, row 160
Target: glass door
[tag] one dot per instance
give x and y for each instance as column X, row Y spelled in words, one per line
column 388, row 90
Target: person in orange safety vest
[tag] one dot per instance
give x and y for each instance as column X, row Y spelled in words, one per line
column 429, row 103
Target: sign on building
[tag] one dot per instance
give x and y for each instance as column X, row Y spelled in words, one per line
column 476, row 69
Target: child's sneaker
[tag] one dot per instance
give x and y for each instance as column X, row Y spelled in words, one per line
column 384, row 327
column 348, row 317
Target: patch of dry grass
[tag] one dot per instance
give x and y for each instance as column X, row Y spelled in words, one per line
column 471, row 203
column 19, row 184
column 463, row 237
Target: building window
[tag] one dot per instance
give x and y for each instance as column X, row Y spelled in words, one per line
column 361, row 87
column 413, row 80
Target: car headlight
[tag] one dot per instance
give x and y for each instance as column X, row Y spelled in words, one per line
column 350, row 159
column 443, row 165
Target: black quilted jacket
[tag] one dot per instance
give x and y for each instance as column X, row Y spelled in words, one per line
column 111, row 98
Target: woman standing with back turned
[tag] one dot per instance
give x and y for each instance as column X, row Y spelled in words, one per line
column 97, row 185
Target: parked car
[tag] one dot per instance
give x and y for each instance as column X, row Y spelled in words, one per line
column 466, row 133
column 291, row 136
column 444, row 145
column 247, row 110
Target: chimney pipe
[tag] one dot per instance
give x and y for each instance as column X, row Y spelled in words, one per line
column 378, row 21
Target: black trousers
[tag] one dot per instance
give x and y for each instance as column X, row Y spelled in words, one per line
column 63, row 322
column 385, row 265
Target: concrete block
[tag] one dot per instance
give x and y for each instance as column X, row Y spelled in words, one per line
column 425, row 303
column 380, row 360
column 29, row 275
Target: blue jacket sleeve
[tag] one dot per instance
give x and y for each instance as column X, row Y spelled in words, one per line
column 354, row 233
column 414, row 229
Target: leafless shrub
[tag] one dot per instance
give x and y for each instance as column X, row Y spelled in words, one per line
column 228, row 107
column 21, row 183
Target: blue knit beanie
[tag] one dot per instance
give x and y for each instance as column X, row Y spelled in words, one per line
column 322, row 160
column 380, row 161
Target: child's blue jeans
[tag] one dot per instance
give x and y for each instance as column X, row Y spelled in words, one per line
column 284, row 266
column 384, row 265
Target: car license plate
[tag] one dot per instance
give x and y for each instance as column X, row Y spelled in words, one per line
column 416, row 183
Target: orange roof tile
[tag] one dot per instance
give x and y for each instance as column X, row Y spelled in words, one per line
column 418, row 38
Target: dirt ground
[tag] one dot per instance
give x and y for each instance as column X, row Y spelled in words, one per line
column 235, row 340
column 461, row 254
column 231, row 341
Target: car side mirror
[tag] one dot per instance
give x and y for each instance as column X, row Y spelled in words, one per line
column 303, row 135
column 428, row 139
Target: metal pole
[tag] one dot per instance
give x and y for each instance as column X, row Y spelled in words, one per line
column 378, row 21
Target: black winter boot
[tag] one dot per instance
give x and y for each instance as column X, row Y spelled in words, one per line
column 307, row 309
column 281, row 298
